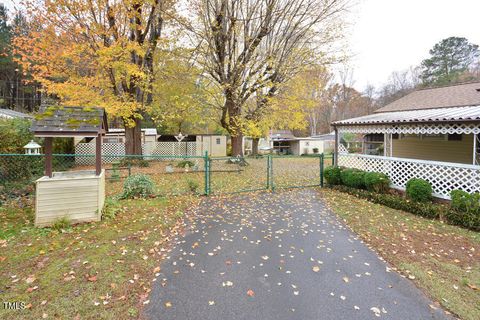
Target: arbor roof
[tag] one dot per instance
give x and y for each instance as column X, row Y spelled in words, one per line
column 60, row 121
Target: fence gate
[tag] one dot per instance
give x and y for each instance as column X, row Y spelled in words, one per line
column 233, row 174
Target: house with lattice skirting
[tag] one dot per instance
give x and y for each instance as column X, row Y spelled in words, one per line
column 433, row 134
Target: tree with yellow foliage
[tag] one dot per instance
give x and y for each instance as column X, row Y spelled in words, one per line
column 96, row 53
column 181, row 95
column 250, row 47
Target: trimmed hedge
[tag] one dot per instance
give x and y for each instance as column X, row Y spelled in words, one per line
column 353, row 178
column 427, row 210
column 377, row 181
column 465, row 209
column 454, row 214
column 333, row 175
column 419, row 190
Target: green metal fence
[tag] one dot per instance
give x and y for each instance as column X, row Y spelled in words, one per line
column 174, row 175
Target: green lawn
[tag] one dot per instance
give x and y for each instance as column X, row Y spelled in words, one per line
column 441, row 259
column 90, row 271
column 104, row 270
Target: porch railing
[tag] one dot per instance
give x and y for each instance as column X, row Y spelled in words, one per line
column 444, row 176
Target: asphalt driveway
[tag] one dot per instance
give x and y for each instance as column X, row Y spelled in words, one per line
column 280, row 255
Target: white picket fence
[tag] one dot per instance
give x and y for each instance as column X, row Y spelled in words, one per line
column 444, row 176
column 116, row 151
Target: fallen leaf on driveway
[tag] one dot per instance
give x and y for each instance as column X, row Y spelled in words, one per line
column 316, row 268
column 227, row 283
column 250, row 293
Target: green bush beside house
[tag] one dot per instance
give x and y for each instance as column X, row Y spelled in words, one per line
column 464, row 209
column 419, row 190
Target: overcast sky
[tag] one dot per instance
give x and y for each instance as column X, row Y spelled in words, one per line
column 393, row 35
column 390, row 35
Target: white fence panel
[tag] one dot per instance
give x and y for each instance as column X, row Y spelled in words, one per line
column 444, row 176
column 173, row 149
column 115, row 151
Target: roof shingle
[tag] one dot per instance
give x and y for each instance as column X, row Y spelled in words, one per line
column 458, row 114
column 467, row 94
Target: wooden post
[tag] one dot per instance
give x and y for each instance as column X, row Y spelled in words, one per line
column 335, row 153
column 48, row 156
column 475, row 138
column 98, row 155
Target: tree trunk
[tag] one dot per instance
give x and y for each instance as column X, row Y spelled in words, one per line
column 231, row 113
column 237, row 145
column 255, row 146
column 133, row 139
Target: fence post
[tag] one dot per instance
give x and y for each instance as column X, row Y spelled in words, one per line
column 207, row 174
column 272, row 181
column 322, row 157
column 268, row 172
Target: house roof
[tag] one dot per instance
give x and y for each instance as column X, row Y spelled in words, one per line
column 147, row 131
column 281, row 134
column 11, row 114
column 70, row 121
column 460, row 95
column 457, row 114
column 325, row 137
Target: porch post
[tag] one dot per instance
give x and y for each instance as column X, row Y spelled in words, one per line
column 391, row 145
column 98, row 155
column 335, row 153
column 385, row 144
column 48, row 156
column 475, row 137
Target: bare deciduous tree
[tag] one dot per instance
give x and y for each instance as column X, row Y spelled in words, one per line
column 251, row 46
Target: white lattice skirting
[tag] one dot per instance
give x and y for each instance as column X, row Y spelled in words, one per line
column 115, row 151
column 444, row 176
column 413, row 128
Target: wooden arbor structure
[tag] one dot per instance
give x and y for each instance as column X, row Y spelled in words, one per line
column 67, row 122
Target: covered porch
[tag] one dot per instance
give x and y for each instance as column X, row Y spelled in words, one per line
column 441, row 146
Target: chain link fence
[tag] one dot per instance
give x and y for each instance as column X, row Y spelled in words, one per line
column 173, row 175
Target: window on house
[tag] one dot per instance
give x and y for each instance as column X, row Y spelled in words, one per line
column 218, row 141
column 437, row 137
column 409, row 136
column 395, row 136
column 454, row 137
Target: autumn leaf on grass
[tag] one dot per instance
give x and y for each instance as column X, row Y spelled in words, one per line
column 29, row 290
column 30, row 279
column 92, row 278
column 250, row 293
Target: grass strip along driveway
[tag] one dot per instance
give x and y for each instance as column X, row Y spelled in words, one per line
column 90, row 271
column 441, row 259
